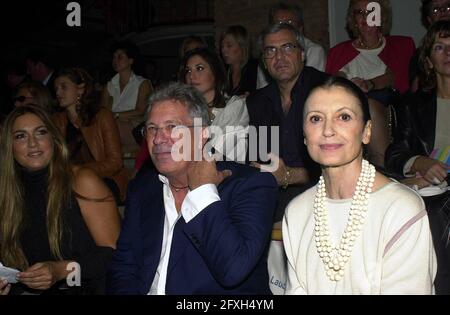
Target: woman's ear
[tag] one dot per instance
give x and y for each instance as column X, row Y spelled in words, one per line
column 367, row 132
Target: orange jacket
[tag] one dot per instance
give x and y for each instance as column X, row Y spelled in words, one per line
column 102, row 138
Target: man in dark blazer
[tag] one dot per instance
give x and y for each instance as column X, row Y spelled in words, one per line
column 40, row 68
column 192, row 226
column 280, row 105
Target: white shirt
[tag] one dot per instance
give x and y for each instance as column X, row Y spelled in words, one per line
column 394, row 253
column 315, row 55
column 367, row 65
column 126, row 100
column 233, row 121
column 442, row 138
column 194, row 202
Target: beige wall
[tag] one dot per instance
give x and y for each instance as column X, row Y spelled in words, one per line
column 253, row 15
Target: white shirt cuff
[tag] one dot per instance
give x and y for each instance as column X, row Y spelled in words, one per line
column 408, row 166
column 198, row 199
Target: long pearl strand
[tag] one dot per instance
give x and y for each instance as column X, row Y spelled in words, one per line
column 335, row 257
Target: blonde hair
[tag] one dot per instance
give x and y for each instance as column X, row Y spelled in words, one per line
column 41, row 94
column 240, row 34
column 12, row 210
column 386, row 17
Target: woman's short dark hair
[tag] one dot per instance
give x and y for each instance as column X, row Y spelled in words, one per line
column 130, row 49
column 217, row 69
column 350, row 87
column 427, row 76
column 282, row 6
column 425, row 11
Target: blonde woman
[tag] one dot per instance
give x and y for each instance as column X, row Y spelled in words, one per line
column 235, row 52
column 32, row 92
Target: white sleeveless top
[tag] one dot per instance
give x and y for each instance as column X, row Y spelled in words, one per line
column 126, row 100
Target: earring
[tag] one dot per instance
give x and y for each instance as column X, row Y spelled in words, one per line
column 78, row 103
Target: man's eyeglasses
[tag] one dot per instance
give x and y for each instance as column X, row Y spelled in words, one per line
column 290, row 22
column 152, row 130
column 440, row 10
column 362, row 12
column 271, row 51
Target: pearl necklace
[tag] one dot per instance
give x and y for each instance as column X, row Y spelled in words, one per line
column 336, row 257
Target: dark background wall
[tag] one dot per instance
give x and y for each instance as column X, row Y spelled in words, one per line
column 157, row 26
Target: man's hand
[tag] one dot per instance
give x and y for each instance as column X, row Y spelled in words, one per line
column 432, row 170
column 4, row 287
column 276, row 167
column 40, row 276
column 414, row 181
column 205, row 172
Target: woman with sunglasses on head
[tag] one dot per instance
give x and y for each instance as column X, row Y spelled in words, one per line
column 32, row 92
column 90, row 131
column 376, row 62
column 51, row 214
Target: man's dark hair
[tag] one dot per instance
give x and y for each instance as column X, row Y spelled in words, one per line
column 43, row 57
column 130, row 49
column 286, row 7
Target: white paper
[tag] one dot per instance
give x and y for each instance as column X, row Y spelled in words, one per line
column 9, row 274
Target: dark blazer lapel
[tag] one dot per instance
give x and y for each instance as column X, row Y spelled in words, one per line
column 179, row 244
column 152, row 227
column 427, row 121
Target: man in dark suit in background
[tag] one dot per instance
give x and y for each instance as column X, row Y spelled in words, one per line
column 192, row 226
column 41, row 68
column 280, row 105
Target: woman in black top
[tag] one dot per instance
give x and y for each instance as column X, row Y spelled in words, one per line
column 51, row 214
column 422, row 137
